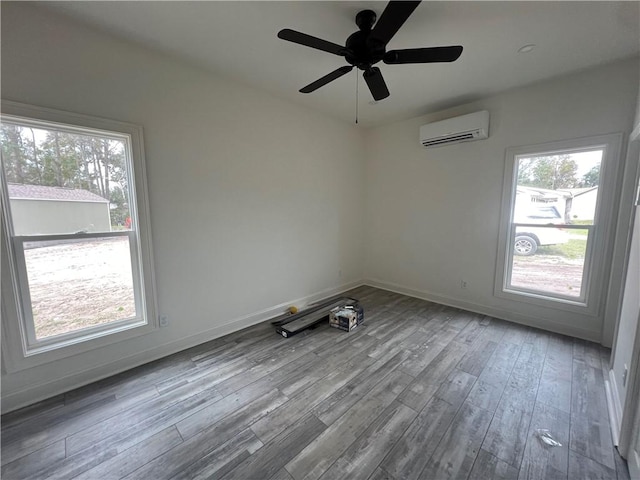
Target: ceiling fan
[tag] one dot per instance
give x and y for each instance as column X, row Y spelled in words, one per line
column 367, row 47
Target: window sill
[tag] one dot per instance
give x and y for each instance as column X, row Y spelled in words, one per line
column 16, row 360
column 541, row 300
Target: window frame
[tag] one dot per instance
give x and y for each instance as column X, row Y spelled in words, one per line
column 595, row 271
column 20, row 348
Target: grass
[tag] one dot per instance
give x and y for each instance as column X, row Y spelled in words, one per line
column 573, row 249
column 582, row 222
column 582, row 233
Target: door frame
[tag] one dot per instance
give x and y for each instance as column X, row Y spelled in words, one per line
column 628, row 446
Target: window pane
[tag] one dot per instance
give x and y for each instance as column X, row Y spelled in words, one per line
column 61, row 182
column 76, row 284
column 549, row 260
column 559, row 188
column 553, row 190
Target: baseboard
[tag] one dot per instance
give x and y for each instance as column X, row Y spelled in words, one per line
column 55, row 387
column 634, row 464
column 614, row 406
column 537, row 322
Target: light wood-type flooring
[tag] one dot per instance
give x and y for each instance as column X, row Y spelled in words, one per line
column 419, row 391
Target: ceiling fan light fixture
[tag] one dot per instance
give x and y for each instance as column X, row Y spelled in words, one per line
column 527, row 48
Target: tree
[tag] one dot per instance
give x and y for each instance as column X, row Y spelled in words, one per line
column 14, row 154
column 525, row 166
column 60, row 160
column 119, row 206
column 550, row 172
column 592, row 177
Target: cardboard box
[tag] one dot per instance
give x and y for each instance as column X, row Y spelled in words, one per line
column 346, row 318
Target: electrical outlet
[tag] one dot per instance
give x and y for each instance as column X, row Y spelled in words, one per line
column 463, row 284
column 164, row 321
column 624, row 376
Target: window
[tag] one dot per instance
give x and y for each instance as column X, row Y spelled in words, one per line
column 76, row 230
column 555, row 222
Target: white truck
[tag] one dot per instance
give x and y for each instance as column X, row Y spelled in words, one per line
column 528, row 238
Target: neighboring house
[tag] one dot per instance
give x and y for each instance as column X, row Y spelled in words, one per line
column 57, row 210
column 572, row 203
column 582, row 203
column 528, row 198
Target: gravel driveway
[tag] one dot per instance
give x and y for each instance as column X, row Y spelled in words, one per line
column 76, row 285
column 548, row 273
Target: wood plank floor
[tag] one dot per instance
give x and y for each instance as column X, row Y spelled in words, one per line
column 419, row 391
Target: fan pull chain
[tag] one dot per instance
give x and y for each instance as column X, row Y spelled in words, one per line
column 356, row 96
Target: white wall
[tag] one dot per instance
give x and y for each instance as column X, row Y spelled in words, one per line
column 254, row 201
column 637, row 120
column 433, row 214
column 583, row 207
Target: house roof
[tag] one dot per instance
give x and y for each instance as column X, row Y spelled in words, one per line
column 580, row 191
column 543, row 192
column 41, row 192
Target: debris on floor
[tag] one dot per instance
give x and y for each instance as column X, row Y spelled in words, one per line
column 545, row 437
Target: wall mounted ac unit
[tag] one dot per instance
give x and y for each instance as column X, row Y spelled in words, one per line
column 467, row 128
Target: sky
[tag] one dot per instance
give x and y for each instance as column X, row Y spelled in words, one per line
column 587, row 160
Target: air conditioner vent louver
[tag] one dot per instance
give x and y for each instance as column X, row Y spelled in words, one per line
column 466, row 128
column 452, row 139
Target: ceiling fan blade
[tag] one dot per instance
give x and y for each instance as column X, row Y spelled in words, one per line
column 326, row 79
column 392, row 18
column 309, row 41
column 423, row 55
column 376, row 84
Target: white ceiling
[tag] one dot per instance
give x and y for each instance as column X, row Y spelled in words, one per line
column 238, row 40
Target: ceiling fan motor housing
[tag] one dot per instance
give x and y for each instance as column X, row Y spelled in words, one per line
column 362, row 50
